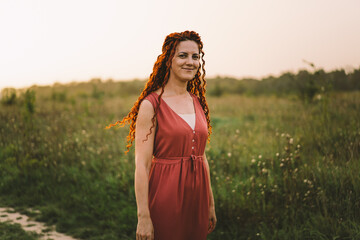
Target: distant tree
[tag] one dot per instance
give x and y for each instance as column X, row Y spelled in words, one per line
column 339, row 80
column 285, row 84
column 95, row 80
column 306, row 85
column 354, row 79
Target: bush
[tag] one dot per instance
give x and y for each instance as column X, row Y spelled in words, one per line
column 59, row 96
column 8, row 96
column 29, row 101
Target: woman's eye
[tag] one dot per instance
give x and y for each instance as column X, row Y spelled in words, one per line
column 196, row 57
column 182, row 55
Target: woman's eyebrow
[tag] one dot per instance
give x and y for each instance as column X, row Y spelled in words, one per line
column 188, row 53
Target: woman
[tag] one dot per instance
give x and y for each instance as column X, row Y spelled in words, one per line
column 170, row 124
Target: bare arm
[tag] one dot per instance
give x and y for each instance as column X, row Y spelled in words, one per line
column 143, row 158
column 212, row 214
column 211, row 196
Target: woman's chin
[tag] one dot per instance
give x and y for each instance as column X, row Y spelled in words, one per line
column 188, row 77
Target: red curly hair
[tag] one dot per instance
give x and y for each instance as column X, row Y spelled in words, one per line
column 160, row 76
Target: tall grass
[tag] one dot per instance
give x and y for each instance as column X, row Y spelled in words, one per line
column 280, row 168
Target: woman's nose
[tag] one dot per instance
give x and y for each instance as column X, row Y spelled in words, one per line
column 189, row 61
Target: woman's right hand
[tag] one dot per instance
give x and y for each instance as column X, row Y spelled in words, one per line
column 145, row 229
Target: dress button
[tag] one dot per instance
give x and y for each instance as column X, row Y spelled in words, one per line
column 192, row 147
column 193, row 131
column 193, row 140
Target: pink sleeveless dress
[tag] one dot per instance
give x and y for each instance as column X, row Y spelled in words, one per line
column 178, row 180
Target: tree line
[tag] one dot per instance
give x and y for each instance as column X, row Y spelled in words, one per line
column 307, row 85
column 304, row 84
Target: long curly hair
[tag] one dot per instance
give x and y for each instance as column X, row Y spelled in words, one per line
column 160, row 76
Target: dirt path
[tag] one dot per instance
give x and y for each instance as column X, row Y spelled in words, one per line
column 9, row 215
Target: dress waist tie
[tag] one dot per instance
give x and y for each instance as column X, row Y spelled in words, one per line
column 174, row 160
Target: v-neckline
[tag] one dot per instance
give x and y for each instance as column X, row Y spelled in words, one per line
column 195, row 112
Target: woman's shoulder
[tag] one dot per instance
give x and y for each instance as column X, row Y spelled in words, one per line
column 147, row 105
column 151, row 97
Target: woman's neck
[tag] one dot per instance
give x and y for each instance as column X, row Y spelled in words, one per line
column 175, row 88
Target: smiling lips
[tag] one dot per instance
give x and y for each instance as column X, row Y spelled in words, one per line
column 189, row 69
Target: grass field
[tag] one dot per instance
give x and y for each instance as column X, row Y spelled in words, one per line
column 280, row 168
column 15, row 232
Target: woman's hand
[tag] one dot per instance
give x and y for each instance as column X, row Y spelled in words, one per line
column 145, row 229
column 212, row 219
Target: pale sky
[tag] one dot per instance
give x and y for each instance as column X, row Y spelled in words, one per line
column 47, row 41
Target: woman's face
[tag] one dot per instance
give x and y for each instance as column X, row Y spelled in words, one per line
column 186, row 61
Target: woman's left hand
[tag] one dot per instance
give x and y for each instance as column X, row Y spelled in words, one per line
column 212, row 219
